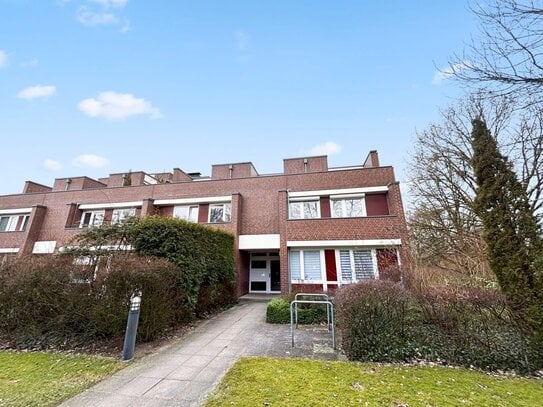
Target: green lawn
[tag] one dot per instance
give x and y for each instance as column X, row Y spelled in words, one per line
column 42, row 379
column 299, row 382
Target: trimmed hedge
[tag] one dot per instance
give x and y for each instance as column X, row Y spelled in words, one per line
column 381, row 321
column 278, row 312
column 50, row 301
column 205, row 257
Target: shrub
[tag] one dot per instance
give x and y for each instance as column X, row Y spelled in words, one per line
column 474, row 327
column 374, row 321
column 50, row 301
column 278, row 312
column 383, row 322
column 205, row 256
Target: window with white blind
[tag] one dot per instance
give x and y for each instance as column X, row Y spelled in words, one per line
column 347, row 207
column 186, row 212
column 92, row 218
column 305, row 265
column 356, row 265
column 120, row 215
column 219, row 213
column 304, row 210
column 13, row 223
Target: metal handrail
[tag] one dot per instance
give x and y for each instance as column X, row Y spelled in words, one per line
column 329, row 306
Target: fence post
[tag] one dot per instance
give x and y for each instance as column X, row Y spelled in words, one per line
column 132, row 326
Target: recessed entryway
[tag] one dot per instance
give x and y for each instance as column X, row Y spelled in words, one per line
column 264, row 272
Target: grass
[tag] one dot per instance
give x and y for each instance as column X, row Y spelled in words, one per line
column 42, row 379
column 299, row 382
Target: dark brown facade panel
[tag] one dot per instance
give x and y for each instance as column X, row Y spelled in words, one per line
column 377, row 204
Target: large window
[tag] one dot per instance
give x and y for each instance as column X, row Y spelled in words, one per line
column 13, row 223
column 347, row 207
column 119, row 215
column 305, row 265
column 304, row 209
column 186, row 212
column 91, row 218
column 356, row 265
column 219, row 213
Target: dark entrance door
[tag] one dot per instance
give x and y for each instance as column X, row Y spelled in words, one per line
column 275, row 276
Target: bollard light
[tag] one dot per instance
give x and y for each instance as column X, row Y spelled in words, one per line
column 135, row 301
column 132, row 325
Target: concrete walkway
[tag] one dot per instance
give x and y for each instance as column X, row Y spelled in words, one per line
column 186, row 371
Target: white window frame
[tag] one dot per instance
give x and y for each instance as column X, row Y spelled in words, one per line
column 302, row 279
column 11, row 225
column 300, row 203
column 223, row 205
column 189, row 209
column 343, row 199
column 92, row 219
column 125, row 213
column 353, row 280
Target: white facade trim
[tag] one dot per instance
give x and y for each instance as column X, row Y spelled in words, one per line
column 15, row 211
column 255, row 242
column 186, row 201
column 6, row 250
column 110, row 205
column 344, row 191
column 44, row 247
column 344, row 243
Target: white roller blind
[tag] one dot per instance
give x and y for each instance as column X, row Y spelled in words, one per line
column 312, row 265
column 345, row 261
column 363, row 264
column 294, row 265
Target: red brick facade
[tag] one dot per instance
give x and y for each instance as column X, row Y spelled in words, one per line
column 259, row 207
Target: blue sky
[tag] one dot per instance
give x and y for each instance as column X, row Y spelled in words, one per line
column 92, row 87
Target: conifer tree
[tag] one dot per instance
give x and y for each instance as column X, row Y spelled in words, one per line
column 511, row 233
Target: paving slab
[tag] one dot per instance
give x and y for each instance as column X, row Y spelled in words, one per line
column 186, row 371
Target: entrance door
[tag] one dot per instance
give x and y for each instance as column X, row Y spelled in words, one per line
column 264, row 273
column 275, row 276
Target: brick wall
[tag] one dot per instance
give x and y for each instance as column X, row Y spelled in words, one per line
column 259, row 206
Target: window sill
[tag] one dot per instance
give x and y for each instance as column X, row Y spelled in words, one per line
column 351, row 217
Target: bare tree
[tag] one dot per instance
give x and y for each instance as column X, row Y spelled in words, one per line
column 507, row 56
column 445, row 230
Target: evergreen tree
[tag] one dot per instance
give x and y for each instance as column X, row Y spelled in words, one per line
column 514, row 245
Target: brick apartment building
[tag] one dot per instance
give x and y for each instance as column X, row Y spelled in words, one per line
column 310, row 228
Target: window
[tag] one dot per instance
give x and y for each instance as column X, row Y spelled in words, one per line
column 356, row 265
column 219, row 213
column 91, row 218
column 348, row 207
column 120, row 215
column 304, row 210
column 186, row 212
column 305, row 265
column 13, row 223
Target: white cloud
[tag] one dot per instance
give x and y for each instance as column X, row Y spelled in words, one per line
column 103, row 12
column 242, row 39
column 3, row 58
column 30, row 63
column 110, row 3
column 39, row 91
column 90, row 161
column 51, row 165
column 117, row 106
column 328, row 148
column 445, row 73
column 92, row 18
